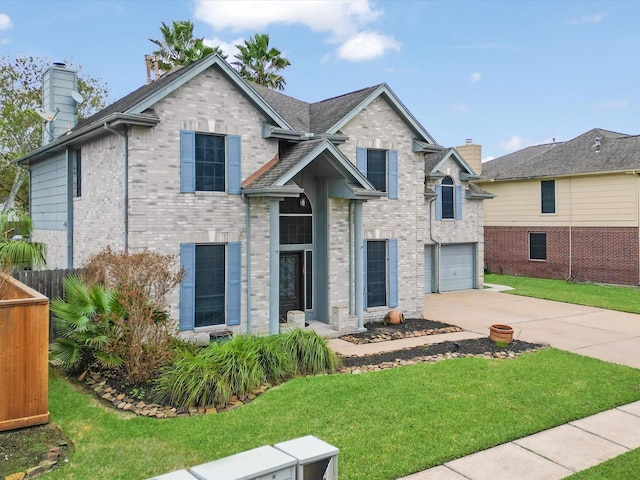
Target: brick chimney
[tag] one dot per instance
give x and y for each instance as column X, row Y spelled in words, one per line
column 59, row 107
column 472, row 154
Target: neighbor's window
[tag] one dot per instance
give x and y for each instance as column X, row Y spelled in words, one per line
column 448, row 203
column 548, row 195
column 537, row 246
column 210, row 163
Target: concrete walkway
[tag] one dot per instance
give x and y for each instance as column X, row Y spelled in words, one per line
column 558, row 452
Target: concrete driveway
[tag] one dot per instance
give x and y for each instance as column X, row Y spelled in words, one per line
column 595, row 332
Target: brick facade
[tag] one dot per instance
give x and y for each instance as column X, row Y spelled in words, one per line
column 598, row 254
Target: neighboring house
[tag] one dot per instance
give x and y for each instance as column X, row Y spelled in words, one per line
column 566, row 210
column 339, row 209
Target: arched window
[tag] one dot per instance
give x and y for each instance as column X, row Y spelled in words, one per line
column 448, row 198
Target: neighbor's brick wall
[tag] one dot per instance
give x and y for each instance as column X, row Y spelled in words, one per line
column 599, row 254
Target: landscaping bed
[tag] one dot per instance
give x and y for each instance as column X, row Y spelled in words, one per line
column 412, row 327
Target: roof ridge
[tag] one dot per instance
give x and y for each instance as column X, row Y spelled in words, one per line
column 348, row 93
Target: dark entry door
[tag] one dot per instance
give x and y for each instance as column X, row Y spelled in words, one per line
column 291, row 283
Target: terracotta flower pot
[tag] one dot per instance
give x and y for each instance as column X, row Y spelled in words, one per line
column 394, row 317
column 501, row 333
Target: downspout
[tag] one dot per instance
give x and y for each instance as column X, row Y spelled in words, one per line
column 351, row 260
column 438, row 246
column 570, row 274
column 125, row 210
column 248, row 254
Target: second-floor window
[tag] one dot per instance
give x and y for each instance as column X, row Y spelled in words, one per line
column 209, row 162
column 448, row 200
column 381, row 169
column 548, row 195
column 448, row 204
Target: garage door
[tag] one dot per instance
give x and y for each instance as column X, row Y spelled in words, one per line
column 457, row 267
column 428, row 269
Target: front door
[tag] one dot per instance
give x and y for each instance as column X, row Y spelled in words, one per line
column 291, row 283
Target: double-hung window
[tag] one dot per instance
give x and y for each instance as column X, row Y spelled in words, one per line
column 448, row 200
column 209, row 162
column 381, row 273
column 210, row 289
column 537, row 246
column 380, row 167
column 548, row 196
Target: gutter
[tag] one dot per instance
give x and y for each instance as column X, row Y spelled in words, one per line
column 125, row 181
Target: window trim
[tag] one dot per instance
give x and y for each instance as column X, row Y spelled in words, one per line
column 530, row 244
column 391, row 273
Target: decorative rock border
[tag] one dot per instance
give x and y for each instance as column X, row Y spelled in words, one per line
column 505, row 355
column 127, row 403
column 397, row 335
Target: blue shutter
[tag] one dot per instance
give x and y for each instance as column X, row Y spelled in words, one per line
column 361, row 160
column 233, row 160
column 438, row 202
column 364, row 274
column 458, row 202
column 188, row 286
column 187, row 161
column 393, row 174
column 392, row 245
column 234, row 268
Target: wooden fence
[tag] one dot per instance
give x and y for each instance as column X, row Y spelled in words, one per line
column 49, row 283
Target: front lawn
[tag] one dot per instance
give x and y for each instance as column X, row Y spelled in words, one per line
column 623, row 299
column 386, row 424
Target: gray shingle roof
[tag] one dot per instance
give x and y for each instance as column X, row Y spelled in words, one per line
column 617, row 151
column 431, row 160
column 317, row 117
column 327, row 113
column 287, row 161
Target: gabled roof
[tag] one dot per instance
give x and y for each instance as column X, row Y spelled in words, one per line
column 433, row 161
column 596, row 151
column 277, row 176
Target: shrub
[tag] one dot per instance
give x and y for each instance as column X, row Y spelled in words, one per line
column 211, row 375
column 85, row 322
column 310, row 353
column 142, row 281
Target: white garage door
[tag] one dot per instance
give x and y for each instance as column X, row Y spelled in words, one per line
column 457, row 267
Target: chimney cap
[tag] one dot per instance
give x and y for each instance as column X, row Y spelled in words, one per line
column 468, row 141
column 60, row 64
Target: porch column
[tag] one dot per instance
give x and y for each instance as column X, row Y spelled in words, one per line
column 274, row 265
column 359, row 264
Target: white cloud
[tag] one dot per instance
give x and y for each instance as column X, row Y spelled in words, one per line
column 475, row 78
column 367, row 45
column 587, row 19
column 344, row 21
column 229, row 48
column 5, row 22
column 515, row 143
column 4, row 41
column 458, row 108
column 612, row 104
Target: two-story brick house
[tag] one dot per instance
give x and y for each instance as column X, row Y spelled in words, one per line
column 340, row 209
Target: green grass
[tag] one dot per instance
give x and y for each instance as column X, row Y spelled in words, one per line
column 386, row 424
column 621, row 467
column 623, row 299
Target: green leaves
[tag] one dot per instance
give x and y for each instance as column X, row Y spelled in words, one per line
column 178, row 47
column 258, row 63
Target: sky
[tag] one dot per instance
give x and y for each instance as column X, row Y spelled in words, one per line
column 505, row 74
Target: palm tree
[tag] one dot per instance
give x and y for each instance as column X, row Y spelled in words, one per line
column 259, row 63
column 16, row 250
column 178, row 47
